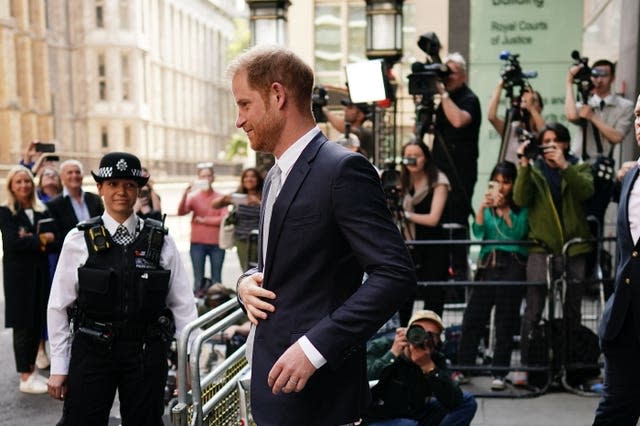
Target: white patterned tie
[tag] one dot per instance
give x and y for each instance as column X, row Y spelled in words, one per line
column 122, row 237
column 274, row 190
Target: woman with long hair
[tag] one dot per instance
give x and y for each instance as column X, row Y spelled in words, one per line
column 246, row 201
column 497, row 218
column 424, row 192
column 25, row 272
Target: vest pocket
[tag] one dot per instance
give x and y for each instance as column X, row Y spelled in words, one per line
column 94, row 296
column 153, row 288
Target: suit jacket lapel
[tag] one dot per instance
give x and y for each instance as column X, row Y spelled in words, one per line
column 289, row 191
column 627, row 186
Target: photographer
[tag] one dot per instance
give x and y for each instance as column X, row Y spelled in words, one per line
column 553, row 186
column 528, row 117
column 355, row 115
column 414, row 386
column 604, row 120
column 605, row 113
column 455, row 150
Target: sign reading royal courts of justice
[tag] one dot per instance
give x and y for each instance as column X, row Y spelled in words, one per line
column 543, row 33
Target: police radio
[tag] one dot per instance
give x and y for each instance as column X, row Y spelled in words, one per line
column 157, row 231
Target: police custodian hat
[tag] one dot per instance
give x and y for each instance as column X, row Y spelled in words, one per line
column 120, row 165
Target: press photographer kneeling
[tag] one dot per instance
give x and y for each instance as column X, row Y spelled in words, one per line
column 414, row 386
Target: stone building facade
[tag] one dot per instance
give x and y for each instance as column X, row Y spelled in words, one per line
column 145, row 76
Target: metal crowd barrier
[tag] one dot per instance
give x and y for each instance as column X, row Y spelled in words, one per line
column 560, row 366
column 577, row 345
column 218, row 398
column 221, row 396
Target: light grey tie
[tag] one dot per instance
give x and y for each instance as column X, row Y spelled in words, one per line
column 274, row 190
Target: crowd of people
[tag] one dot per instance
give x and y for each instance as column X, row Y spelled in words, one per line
column 326, row 223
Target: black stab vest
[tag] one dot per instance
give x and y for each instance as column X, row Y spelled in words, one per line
column 119, row 285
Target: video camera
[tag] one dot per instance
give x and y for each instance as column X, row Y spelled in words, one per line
column 512, row 73
column 424, row 76
column 423, row 82
column 582, row 78
column 319, row 99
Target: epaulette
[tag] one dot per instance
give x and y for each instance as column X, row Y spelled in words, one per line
column 89, row 223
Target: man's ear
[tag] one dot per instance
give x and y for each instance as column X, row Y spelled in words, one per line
column 278, row 93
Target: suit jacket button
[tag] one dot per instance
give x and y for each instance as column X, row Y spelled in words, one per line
column 627, row 281
column 634, row 253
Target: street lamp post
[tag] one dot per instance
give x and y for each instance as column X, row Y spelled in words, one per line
column 384, row 41
column 268, row 24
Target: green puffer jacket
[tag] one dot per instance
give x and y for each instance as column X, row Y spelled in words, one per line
column 531, row 190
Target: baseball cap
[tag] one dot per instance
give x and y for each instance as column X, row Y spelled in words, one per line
column 425, row 314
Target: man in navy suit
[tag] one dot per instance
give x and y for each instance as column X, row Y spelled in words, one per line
column 73, row 205
column 311, row 310
column 620, row 325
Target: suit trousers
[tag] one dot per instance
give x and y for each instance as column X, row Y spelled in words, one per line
column 619, row 404
column 136, row 368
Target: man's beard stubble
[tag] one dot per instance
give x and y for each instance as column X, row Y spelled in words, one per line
column 267, row 132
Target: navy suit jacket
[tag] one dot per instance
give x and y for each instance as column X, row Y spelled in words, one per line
column 330, row 223
column 625, row 299
column 62, row 211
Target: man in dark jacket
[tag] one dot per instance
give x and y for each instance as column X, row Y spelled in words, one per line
column 414, row 387
column 74, row 205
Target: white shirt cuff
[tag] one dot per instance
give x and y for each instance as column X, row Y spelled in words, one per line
column 311, row 352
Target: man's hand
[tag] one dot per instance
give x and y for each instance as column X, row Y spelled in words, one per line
column 586, row 112
column 291, row 371
column 57, row 386
column 555, row 156
column 624, row 169
column 399, row 342
column 252, row 295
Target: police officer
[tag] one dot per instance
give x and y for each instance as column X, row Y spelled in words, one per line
column 118, row 295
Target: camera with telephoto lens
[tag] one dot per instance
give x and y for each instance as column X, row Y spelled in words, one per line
column 319, row 99
column 511, row 73
column 418, row 336
column 534, row 149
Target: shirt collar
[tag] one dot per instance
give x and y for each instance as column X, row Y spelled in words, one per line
column 65, row 192
column 111, row 224
column 291, row 155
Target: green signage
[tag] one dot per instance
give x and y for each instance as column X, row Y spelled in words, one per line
column 543, row 33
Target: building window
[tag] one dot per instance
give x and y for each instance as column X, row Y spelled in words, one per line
column 127, row 137
column 102, row 78
column 126, row 77
column 124, row 14
column 99, row 14
column 104, row 137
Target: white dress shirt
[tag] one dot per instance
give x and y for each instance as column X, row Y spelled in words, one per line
column 634, row 208
column 64, row 289
column 285, row 163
